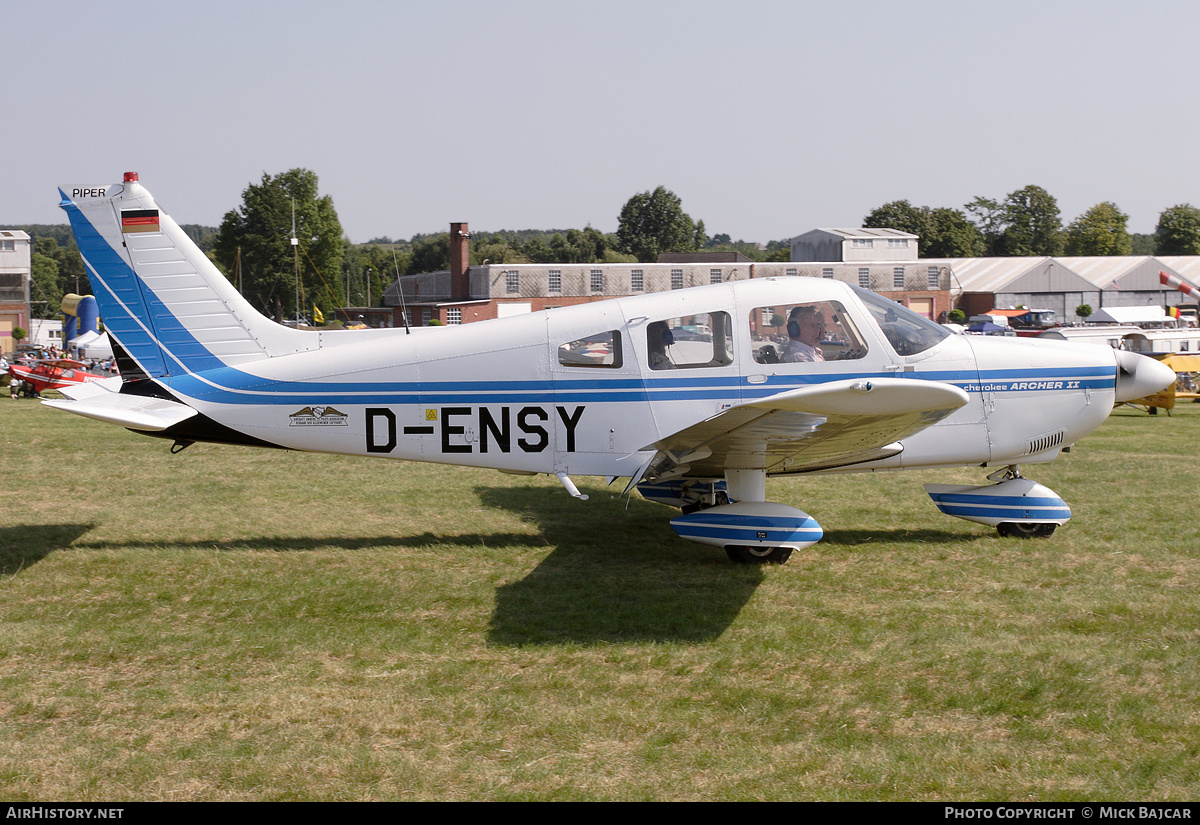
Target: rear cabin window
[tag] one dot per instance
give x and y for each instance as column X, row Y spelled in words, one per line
column 600, row 350
column 804, row 333
column 690, row 342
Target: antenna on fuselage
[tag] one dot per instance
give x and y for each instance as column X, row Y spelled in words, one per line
column 296, row 252
column 400, row 284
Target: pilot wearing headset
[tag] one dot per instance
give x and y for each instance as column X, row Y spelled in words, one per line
column 659, row 337
column 806, row 326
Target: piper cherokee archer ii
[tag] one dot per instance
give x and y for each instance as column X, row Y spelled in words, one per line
column 684, row 393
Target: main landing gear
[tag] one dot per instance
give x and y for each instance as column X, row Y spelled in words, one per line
column 736, row 517
column 743, row 554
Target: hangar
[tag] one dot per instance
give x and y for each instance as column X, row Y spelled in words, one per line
column 1064, row 284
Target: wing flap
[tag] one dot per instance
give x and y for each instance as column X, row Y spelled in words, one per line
column 830, row 425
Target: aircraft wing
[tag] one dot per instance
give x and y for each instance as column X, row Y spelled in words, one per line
column 813, row 428
column 102, row 401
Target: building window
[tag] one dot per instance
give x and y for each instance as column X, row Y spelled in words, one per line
column 864, row 277
column 637, row 281
column 454, row 315
column 512, row 281
column 827, row 272
column 897, row 243
column 555, row 280
column 862, row 243
column 898, row 277
column 8, row 246
column 935, row 280
column 714, row 276
column 597, row 280
column 676, row 279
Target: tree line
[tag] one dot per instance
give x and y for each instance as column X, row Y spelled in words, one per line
column 1028, row 222
column 254, row 245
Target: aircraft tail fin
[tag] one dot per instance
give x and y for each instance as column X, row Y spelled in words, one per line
column 160, row 297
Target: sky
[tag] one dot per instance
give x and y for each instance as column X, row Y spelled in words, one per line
column 767, row 118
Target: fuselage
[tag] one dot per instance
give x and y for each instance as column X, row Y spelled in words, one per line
column 696, row 395
column 585, row 389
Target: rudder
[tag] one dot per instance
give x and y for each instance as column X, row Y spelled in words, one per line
column 161, row 298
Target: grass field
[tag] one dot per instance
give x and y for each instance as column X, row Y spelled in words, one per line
column 232, row 624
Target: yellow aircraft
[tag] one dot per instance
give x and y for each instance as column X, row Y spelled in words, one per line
column 1187, row 384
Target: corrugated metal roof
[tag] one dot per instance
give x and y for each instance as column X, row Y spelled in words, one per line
column 1187, row 267
column 866, row 232
column 987, row 274
column 1127, row 271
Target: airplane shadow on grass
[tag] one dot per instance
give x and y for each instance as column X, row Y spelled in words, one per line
column 620, row 574
column 613, row 574
column 25, row 545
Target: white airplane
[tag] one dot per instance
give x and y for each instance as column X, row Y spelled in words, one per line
column 686, row 393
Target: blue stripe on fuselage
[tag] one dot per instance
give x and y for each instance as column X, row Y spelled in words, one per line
column 233, row 386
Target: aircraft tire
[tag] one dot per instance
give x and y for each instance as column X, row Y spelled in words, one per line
column 1024, row 530
column 740, row 554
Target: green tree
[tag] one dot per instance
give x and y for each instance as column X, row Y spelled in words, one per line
column 943, row 232
column 1032, row 224
column 654, row 222
column 46, row 288
column 369, row 269
column 900, row 215
column 1141, row 244
column 262, row 230
column 1102, row 230
column 577, row 246
column 60, row 248
column 1178, row 231
column 951, row 235
column 431, row 253
column 990, row 221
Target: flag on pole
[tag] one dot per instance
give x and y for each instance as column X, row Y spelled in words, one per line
column 317, row 316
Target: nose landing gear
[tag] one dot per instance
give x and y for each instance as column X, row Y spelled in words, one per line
column 1016, row 506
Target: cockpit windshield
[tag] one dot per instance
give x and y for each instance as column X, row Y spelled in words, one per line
column 907, row 332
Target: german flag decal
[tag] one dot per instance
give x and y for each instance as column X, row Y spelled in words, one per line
column 139, row 220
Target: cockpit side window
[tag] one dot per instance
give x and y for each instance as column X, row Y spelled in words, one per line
column 690, row 342
column 907, row 332
column 803, row 333
column 600, row 350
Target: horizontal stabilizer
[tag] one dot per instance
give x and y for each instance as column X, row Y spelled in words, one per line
column 137, row 412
